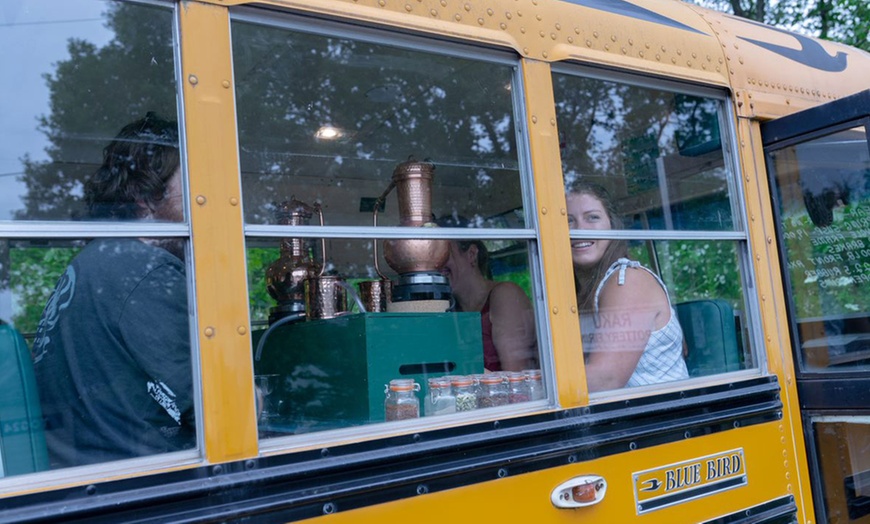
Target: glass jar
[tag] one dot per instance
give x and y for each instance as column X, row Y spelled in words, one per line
column 440, row 400
column 492, row 392
column 518, row 388
column 535, row 382
column 401, row 401
column 463, row 390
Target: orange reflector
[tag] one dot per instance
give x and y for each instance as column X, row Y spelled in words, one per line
column 584, row 493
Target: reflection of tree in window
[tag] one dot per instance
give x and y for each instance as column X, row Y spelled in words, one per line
column 92, row 94
column 389, row 103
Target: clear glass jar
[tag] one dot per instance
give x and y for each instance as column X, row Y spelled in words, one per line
column 463, row 390
column 518, row 388
column 535, row 382
column 401, row 400
column 492, row 391
column 440, row 400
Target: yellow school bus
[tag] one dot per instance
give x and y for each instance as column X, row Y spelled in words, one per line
column 320, row 143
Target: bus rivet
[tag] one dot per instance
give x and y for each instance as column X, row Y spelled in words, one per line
column 552, row 121
column 328, row 508
column 543, row 210
column 787, row 475
column 226, row 84
column 763, row 298
column 555, row 310
column 563, row 211
column 242, row 330
column 209, row 332
column 503, row 25
column 91, row 490
column 769, row 240
column 502, row 473
column 574, row 309
column 193, row 80
column 234, row 201
column 544, row 54
column 200, row 200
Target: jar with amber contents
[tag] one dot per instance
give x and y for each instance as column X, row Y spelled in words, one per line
column 401, row 402
column 492, row 391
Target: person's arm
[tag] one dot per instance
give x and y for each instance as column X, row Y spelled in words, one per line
column 513, row 327
column 155, row 326
column 627, row 315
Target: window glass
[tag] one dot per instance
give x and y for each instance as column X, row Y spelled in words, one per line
column 823, row 201
column 328, row 119
column 841, row 447
column 421, row 155
column 97, row 325
column 654, row 308
column 659, row 151
column 91, row 67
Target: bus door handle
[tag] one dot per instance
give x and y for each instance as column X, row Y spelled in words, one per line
column 579, row 492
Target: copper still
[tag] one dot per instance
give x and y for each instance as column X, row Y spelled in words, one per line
column 417, row 261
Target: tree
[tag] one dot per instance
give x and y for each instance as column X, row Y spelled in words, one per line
column 844, row 21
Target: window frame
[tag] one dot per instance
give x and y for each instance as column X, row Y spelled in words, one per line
column 740, row 235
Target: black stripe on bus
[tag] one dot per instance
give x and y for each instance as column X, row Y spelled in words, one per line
column 311, row 483
column 778, row 511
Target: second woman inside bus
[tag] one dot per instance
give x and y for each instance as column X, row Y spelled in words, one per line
column 631, row 333
column 506, row 315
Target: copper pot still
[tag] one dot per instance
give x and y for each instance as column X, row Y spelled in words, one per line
column 325, row 297
column 286, row 276
column 413, row 183
column 375, row 294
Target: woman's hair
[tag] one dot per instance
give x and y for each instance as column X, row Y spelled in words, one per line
column 615, row 250
column 464, row 245
column 136, row 167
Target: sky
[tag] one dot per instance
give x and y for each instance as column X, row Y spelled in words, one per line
column 34, row 36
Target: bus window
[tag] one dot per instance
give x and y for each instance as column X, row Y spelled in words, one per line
column 655, row 235
column 386, row 231
column 93, row 286
column 823, row 200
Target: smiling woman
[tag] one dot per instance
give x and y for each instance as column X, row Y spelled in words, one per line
column 632, row 337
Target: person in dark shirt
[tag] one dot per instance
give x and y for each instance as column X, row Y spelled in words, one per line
column 112, row 351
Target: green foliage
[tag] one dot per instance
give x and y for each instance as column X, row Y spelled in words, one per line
column 33, row 273
column 696, row 270
column 844, row 21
